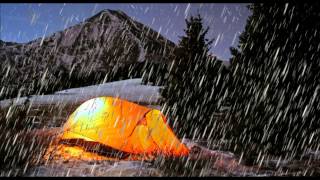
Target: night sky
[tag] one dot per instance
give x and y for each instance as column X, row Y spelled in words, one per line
column 25, row 22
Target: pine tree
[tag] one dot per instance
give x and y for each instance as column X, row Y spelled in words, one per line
column 276, row 77
column 190, row 93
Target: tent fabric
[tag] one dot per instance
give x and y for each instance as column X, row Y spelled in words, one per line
column 124, row 126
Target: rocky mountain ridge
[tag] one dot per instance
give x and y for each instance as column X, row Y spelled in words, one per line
column 101, row 47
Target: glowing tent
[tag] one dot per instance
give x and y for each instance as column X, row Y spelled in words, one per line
column 124, row 126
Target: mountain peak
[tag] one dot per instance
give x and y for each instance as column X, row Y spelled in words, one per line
column 109, row 14
column 98, row 46
column 112, row 11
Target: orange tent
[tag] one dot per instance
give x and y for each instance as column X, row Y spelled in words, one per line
column 124, row 126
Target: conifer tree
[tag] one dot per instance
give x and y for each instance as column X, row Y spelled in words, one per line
column 190, row 93
column 276, row 77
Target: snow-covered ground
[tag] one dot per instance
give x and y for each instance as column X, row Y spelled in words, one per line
column 131, row 90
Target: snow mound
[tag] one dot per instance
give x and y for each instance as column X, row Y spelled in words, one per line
column 131, row 90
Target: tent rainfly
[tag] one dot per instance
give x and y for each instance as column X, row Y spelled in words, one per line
column 124, row 126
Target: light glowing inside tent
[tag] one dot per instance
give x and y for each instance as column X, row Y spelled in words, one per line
column 89, row 108
column 124, row 126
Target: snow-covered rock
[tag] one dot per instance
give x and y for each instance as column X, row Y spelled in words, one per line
column 131, row 90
